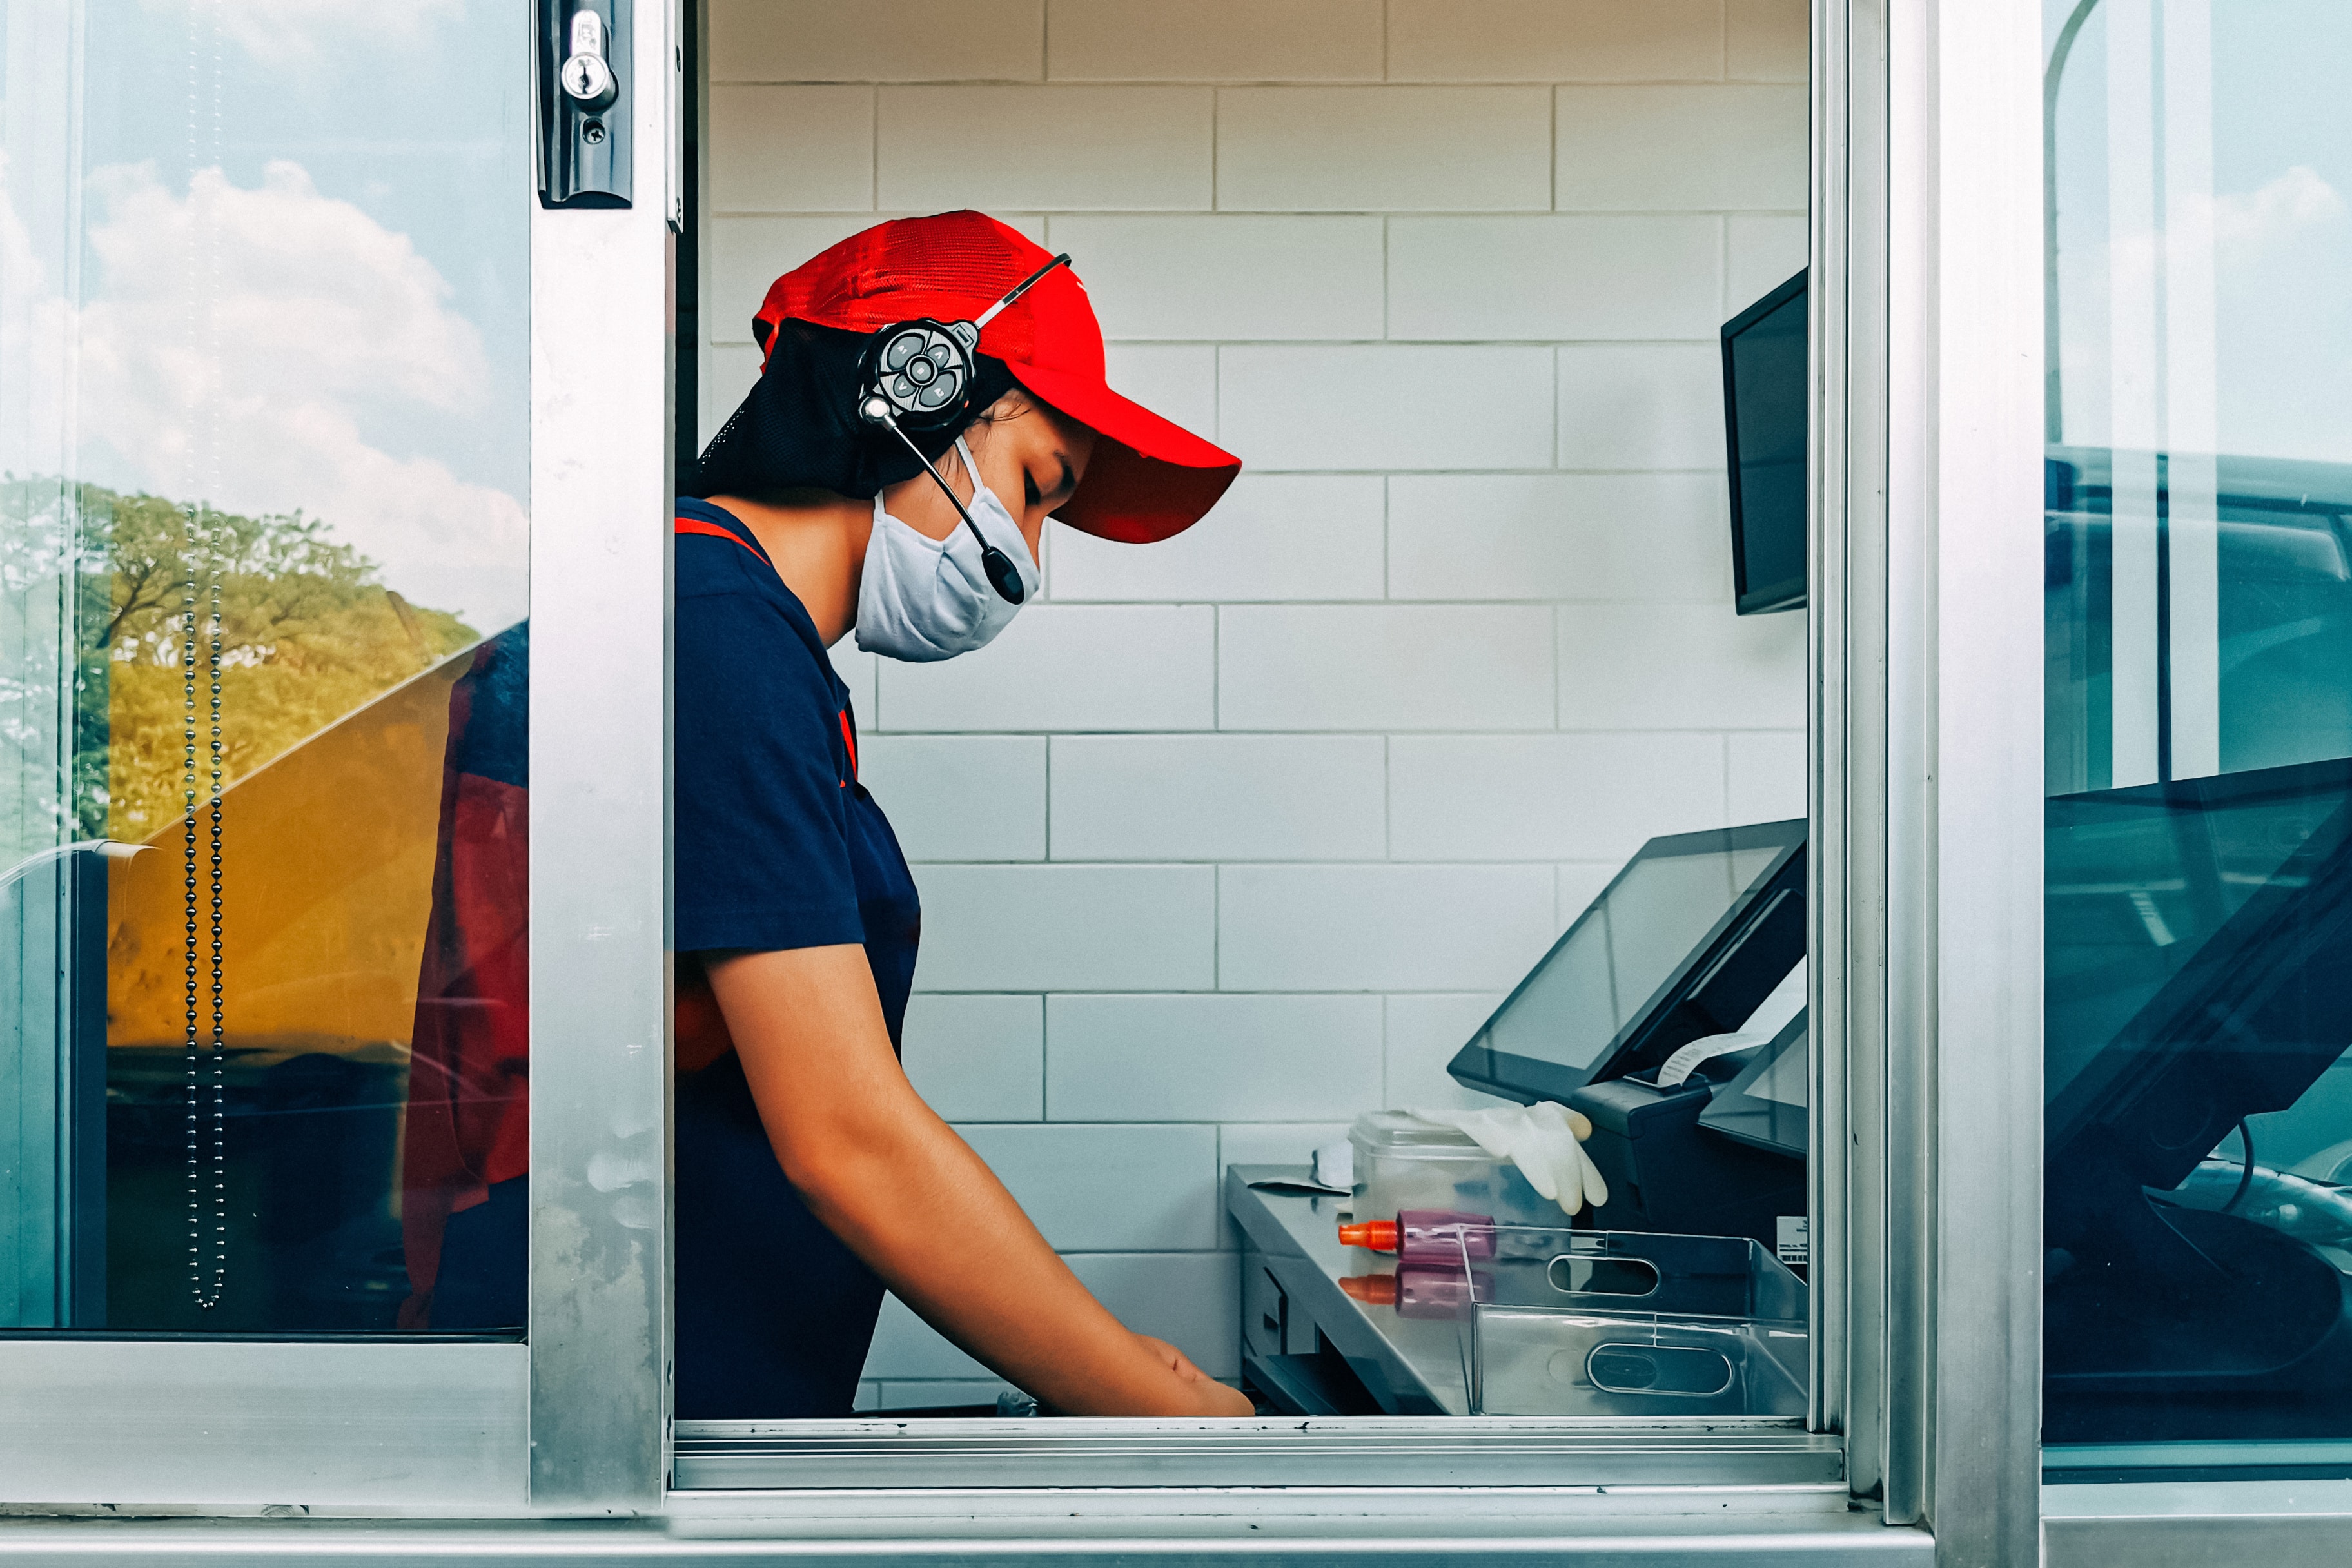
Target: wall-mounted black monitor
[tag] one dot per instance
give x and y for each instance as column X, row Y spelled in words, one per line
column 1684, row 942
column 1765, row 396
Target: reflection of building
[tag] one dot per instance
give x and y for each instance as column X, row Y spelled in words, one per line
column 2279, row 625
column 333, row 847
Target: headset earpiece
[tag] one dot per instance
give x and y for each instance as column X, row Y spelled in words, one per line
column 923, row 373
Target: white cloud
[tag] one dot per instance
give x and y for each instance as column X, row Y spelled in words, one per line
column 2281, row 317
column 235, row 344
column 293, row 31
column 2286, row 211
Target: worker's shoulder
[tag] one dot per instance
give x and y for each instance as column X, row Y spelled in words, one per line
column 740, row 630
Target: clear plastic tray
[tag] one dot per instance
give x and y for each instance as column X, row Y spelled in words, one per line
column 1584, row 1323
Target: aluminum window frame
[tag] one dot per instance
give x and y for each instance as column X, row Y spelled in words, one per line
column 1961, row 1296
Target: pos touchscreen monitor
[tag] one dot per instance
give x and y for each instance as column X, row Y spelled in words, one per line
column 1684, row 942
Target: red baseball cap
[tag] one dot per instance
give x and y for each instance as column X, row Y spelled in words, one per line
column 1148, row 479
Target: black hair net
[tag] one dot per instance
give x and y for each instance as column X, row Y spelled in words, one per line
column 799, row 428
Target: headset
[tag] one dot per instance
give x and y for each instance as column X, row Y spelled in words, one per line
column 917, row 375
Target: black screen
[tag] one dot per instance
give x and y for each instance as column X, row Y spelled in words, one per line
column 1764, row 393
column 1609, row 972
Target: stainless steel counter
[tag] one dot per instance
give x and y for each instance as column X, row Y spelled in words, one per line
column 1307, row 1344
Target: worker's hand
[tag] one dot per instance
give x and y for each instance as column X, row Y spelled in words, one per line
column 1214, row 1397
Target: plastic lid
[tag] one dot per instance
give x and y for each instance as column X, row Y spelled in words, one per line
column 1380, row 1235
column 1378, row 1290
column 1385, row 1130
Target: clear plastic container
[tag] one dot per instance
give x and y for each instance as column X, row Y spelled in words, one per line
column 1585, row 1323
column 1403, row 1163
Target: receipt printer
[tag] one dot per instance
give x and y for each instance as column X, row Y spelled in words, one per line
column 1666, row 1172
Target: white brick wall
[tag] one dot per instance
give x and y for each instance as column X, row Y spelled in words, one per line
column 1236, row 835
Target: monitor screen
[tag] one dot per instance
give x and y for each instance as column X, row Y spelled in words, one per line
column 1765, row 1105
column 1602, row 977
column 1765, row 396
column 2192, row 941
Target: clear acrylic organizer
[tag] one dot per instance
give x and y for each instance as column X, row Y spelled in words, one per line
column 1584, row 1323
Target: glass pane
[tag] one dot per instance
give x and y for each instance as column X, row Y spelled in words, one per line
column 263, row 419
column 2198, row 581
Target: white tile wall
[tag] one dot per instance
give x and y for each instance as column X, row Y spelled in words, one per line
column 961, row 798
column 1213, row 40
column 1678, row 666
column 1229, row 276
column 1765, row 40
column 977, row 1058
column 1555, row 40
column 1354, row 148
column 1280, row 537
column 1638, row 537
column 1384, row 667
column 877, row 41
column 1073, row 928
column 1765, row 250
column 1665, row 149
column 1380, row 928
column 1423, row 1033
column 1387, row 406
column 1554, row 277
column 1219, row 798
column 1212, row 1058
column 1766, row 775
column 1650, row 406
column 1120, row 147
column 1511, row 797
column 1066, row 667
column 774, row 149
column 1237, row 835
column 1175, row 381
column 1162, row 1179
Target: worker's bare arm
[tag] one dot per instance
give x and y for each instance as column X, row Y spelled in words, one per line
column 891, row 1179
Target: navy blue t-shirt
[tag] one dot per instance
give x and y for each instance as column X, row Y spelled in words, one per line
column 775, row 845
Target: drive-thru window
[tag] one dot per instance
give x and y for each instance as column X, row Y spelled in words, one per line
column 1697, row 918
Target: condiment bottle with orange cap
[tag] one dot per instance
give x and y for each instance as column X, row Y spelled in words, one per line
column 1427, row 1236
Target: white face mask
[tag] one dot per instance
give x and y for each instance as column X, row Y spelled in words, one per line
column 922, row 599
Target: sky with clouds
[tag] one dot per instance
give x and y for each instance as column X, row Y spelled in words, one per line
column 303, row 275
column 2281, row 213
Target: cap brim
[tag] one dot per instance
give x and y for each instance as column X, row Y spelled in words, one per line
column 1148, row 479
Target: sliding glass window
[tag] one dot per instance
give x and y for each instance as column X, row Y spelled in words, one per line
column 2198, row 727
column 264, row 562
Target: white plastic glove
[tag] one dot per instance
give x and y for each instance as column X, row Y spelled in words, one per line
column 1544, row 1140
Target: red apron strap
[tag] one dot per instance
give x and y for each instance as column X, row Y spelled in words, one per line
column 698, row 525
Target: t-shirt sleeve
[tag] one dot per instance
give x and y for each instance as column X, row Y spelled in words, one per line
column 760, row 836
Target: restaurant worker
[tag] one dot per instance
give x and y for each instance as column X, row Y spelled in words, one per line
column 931, row 391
